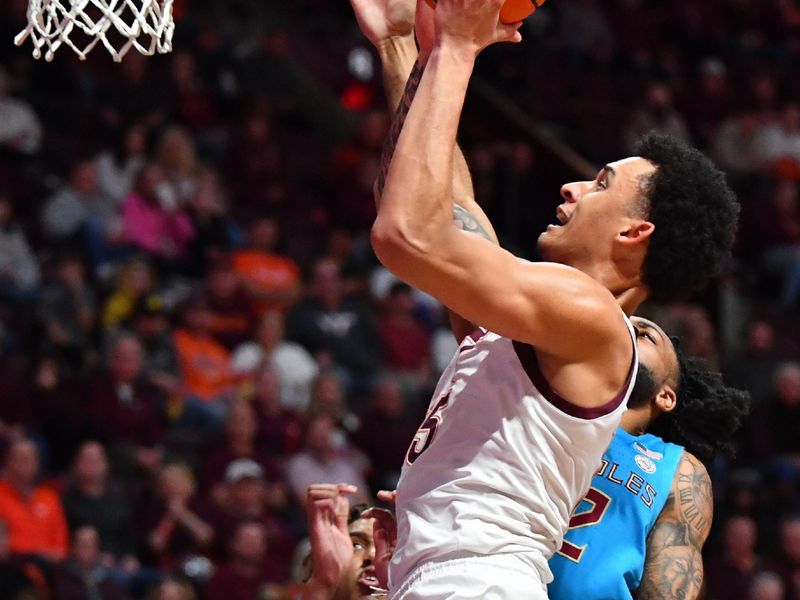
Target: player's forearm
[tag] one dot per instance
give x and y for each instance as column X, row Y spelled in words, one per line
column 398, row 56
column 417, row 202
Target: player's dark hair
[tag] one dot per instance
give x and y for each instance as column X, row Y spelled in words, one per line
column 707, row 414
column 695, row 214
column 356, row 511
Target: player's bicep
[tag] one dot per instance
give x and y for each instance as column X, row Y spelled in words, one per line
column 673, row 566
column 674, row 562
column 537, row 303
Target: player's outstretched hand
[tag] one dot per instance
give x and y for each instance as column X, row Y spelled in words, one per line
column 384, row 535
column 472, row 25
column 331, row 546
column 381, row 20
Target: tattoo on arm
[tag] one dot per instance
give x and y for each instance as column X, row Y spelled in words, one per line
column 466, row 221
column 390, row 144
column 674, row 564
column 462, row 217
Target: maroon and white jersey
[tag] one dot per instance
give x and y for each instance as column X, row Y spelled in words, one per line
column 500, row 461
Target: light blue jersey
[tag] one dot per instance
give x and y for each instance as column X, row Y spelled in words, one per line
column 604, row 550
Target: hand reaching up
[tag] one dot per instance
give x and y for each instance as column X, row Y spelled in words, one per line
column 380, row 20
column 331, row 546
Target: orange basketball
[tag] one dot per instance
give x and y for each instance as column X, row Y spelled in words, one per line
column 513, row 10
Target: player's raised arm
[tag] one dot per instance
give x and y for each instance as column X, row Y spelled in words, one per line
column 391, row 26
column 545, row 305
column 674, row 566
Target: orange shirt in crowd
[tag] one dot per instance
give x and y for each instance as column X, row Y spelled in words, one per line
column 205, row 364
column 275, row 277
column 36, row 524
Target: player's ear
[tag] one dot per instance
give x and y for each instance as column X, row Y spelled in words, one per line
column 636, row 231
column 666, row 399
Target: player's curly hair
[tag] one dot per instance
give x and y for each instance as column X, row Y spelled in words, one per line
column 695, row 214
column 707, row 414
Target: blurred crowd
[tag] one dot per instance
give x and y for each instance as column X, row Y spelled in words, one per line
column 193, row 327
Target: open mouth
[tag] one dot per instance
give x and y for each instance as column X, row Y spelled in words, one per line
column 368, row 582
column 562, row 216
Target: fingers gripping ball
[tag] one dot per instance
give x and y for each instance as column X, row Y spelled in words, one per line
column 513, row 10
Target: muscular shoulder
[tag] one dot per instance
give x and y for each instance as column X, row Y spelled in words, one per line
column 690, row 503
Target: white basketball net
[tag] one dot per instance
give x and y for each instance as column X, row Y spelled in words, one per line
column 119, row 25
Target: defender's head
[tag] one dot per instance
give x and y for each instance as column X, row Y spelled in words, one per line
column 679, row 400
column 663, row 221
column 359, row 581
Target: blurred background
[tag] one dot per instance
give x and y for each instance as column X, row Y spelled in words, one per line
column 193, row 327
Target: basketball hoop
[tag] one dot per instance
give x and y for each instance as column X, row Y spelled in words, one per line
column 119, row 25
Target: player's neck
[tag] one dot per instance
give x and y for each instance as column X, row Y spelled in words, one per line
column 628, row 289
column 636, row 420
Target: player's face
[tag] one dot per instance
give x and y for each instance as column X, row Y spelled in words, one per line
column 362, row 578
column 656, row 355
column 596, row 216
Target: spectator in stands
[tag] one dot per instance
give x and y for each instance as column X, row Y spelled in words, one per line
column 406, row 343
column 780, row 231
column 172, row 589
column 135, row 281
column 784, row 410
column 68, row 310
column 586, row 31
column 19, row 270
column 205, row 363
column 215, row 232
column 83, row 576
column 92, row 498
column 733, row 571
column 328, row 398
column 118, row 166
column 272, row 279
column 57, row 399
column 778, row 145
column 177, row 159
column 709, row 101
column 14, row 582
column 233, row 319
column 386, row 430
column 241, row 442
column 787, row 562
column 247, row 574
column 33, row 512
column 123, row 408
column 154, row 219
column 193, row 102
column 80, row 211
column 698, row 338
column 280, row 429
column 734, row 146
column 160, row 366
column 766, row 586
column 337, row 330
column 20, row 128
column 754, row 370
column 326, row 459
column 248, row 498
column 254, row 163
column 656, row 114
column 177, row 524
column 290, row 362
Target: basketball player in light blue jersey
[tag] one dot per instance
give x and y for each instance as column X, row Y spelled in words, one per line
column 642, row 525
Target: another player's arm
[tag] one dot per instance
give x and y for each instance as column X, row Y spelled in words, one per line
column 674, row 564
